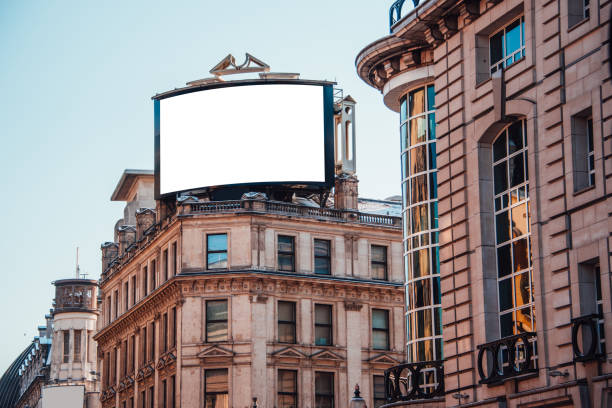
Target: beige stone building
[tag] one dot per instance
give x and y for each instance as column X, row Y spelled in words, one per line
column 505, row 122
column 216, row 303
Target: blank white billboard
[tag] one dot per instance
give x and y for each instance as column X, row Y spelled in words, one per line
column 67, row 396
column 268, row 133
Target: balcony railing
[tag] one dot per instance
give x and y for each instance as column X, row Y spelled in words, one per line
column 395, row 11
column 414, row 381
column 282, row 208
column 507, row 358
column 587, row 338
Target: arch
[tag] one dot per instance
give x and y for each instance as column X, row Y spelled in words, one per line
column 494, row 122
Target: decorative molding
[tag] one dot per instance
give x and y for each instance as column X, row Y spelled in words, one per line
column 352, row 306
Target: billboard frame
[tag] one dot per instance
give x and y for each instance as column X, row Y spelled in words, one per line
column 328, row 142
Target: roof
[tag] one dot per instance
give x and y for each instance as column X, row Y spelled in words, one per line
column 9, row 383
column 128, row 178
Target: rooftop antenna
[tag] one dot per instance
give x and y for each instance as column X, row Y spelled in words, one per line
column 78, row 270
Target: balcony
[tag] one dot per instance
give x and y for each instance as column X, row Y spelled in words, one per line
column 587, row 338
column 395, row 11
column 414, row 381
column 288, row 209
column 507, row 358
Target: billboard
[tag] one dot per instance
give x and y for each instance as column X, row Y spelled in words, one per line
column 244, row 133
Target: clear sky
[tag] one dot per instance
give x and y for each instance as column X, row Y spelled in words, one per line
column 76, row 79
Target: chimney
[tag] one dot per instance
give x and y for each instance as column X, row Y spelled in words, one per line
column 145, row 219
column 127, row 236
column 110, row 250
column 346, row 192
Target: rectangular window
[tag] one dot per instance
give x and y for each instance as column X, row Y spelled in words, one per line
column 132, row 353
column 133, row 290
column 143, row 343
column 583, row 150
column 164, row 339
column 116, row 303
column 589, row 280
column 216, row 320
column 124, row 358
column 114, row 366
column 286, row 253
column 507, row 45
column 379, row 262
column 172, row 391
column 142, row 399
column 165, row 263
column 286, row 322
column 153, row 275
column 322, row 256
column 107, row 370
column 578, row 11
column 379, row 390
column 152, row 346
column 77, row 346
column 145, row 281
column 287, row 389
column 66, row 346
column 173, row 338
column 108, row 310
column 131, row 405
column 126, row 295
column 164, row 395
column 151, row 397
column 216, row 388
column 380, row 329
column 323, row 325
column 216, row 251
column 324, row 390
column 174, row 259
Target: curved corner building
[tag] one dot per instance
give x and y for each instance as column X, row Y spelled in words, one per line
column 505, row 123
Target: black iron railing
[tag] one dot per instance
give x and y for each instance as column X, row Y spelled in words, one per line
column 395, row 11
column 586, row 338
column 414, row 381
column 507, row 358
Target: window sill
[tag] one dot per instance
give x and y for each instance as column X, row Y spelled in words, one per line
column 584, row 190
column 578, row 24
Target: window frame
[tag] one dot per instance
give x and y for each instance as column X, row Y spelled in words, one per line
column 331, row 396
column 207, row 322
column 66, row 344
column 384, row 263
column 387, row 330
column 206, row 393
column 212, row 252
column 495, row 66
column 286, row 322
column 329, row 326
column 291, row 253
column 327, row 258
column 381, row 399
column 287, row 393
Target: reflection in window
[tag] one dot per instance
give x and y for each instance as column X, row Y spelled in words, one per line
column 286, row 322
column 513, row 243
column 216, row 388
column 380, row 329
column 216, row 251
column 323, row 325
column 322, row 256
column 324, row 390
column 420, row 205
column 287, row 389
column 286, row 253
column 507, row 45
column 216, row 320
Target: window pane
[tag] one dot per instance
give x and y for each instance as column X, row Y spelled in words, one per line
column 379, row 271
column 504, row 265
column 515, row 137
column 422, row 293
column 216, row 380
column 217, row 242
column 418, row 159
column 420, row 263
column 517, row 172
column 379, row 253
column 513, row 37
column 287, row 381
column 496, row 48
column 323, row 314
column 323, row 336
column 217, row 260
column 321, row 247
column 520, row 252
column 216, row 331
column 431, row 118
column 519, row 220
column 505, row 294
column 500, row 177
column 420, row 221
column 418, row 130
column 499, row 147
column 423, row 323
column 216, row 310
column 285, row 243
column 502, row 224
column 522, row 289
column 322, row 266
column 287, row 401
column 403, row 109
column 419, row 188
column 286, row 332
column 431, row 95
column 286, row 311
column 506, row 325
column 380, row 319
column 285, row 262
column 416, row 102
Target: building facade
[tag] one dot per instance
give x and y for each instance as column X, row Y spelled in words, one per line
column 505, row 132
column 217, row 303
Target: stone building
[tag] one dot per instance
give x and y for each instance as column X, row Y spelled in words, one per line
column 505, row 124
column 59, row 367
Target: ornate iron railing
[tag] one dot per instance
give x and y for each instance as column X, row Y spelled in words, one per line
column 414, row 381
column 591, row 337
column 395, row 11
column 507, row 358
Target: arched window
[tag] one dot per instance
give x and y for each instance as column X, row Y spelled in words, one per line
column 512, row 232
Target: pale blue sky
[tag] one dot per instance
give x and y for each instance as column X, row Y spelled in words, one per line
column 76, row 79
